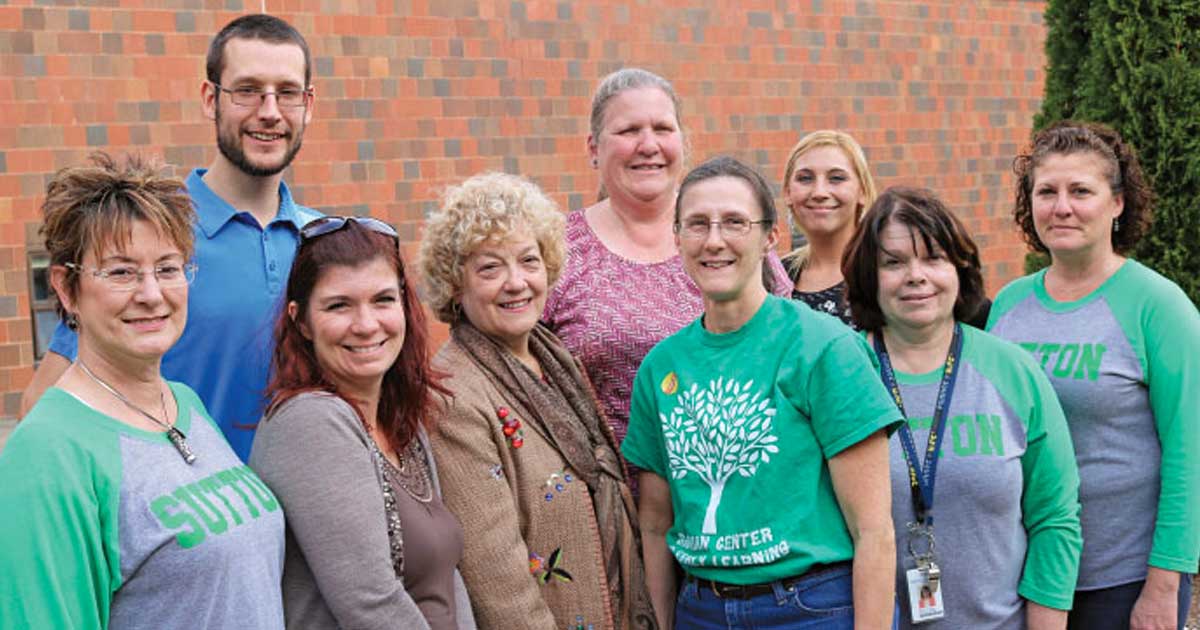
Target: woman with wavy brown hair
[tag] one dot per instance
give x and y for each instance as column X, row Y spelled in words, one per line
column 370, row 544
column 1121, row 345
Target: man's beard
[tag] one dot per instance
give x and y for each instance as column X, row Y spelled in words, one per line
column 232, row 150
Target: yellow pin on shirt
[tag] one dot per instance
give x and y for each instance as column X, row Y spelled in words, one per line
column 670, row 384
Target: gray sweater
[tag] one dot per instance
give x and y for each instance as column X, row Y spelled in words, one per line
column 315, row 454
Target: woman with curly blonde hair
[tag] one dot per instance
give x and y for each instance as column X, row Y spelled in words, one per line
column 527, row 461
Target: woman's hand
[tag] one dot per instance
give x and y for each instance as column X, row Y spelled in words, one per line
column 864, row 492
column 1157, row 608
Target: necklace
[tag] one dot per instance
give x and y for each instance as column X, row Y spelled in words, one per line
column 177, row 438
column 413, row 478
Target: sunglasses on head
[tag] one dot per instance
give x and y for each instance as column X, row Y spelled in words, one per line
column 328, row 225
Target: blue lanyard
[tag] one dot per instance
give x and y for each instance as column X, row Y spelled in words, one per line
column 921, row 475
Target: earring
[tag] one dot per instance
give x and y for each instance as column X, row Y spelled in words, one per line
column 456, row 311
column 72, row 321
column 1116, row 225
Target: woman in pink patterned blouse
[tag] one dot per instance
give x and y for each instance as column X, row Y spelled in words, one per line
column 623, row 288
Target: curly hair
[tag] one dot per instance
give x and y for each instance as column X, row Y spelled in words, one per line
column 858, row 162
column 928, row 219
column 1122, row 170
column 486, row 207
column 93, row 207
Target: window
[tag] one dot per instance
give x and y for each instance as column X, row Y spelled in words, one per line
column 42, row 301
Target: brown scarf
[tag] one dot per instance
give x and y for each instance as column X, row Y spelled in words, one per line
column 563, row 409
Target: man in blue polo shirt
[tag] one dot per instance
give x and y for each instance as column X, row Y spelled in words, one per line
column 259, row 95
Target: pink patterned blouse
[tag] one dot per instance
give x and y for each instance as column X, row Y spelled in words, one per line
column 610, row 311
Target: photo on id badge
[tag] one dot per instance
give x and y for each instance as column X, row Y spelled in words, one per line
column 924, row 599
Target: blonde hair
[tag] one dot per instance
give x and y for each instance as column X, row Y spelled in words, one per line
column 486, row 207
column 858, row 162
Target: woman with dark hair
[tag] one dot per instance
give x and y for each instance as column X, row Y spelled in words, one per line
column 369, row 542
column 982, row 423
column 761, row 431
column 122, row 506
column 1121, row 345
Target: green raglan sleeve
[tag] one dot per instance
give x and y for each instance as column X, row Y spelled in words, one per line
column 1171, row 328
column 643, row 445
column 1050, row 499
column 1011, row 295
column 59, row 559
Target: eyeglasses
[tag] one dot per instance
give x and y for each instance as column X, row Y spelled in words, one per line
column 329, row 225
column 287, row 98
column 731, row 227
column 169, row 275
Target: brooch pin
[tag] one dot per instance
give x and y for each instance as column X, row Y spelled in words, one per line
column 511, row 427
column 496, row 471
column 544, row 569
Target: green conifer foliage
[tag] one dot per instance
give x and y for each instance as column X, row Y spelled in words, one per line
column 1135, row 65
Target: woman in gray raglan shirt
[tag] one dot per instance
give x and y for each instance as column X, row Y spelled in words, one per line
column 1121, row 345
column 122, row 506
column 370, row 543
column 1005, row 514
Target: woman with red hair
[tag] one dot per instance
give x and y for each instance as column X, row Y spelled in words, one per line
column 369, row 542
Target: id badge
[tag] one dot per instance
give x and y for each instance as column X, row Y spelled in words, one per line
column 924, row 602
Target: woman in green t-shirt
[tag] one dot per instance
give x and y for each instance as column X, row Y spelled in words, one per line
column 760, row 428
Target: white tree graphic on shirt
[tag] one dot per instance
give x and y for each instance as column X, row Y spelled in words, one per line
column 718, row 431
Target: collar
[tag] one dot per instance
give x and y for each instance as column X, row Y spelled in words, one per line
column 213, row 212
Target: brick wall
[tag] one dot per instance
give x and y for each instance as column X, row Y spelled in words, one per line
column 415, row 94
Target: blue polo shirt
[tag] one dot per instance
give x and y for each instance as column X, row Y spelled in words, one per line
column 225, row 351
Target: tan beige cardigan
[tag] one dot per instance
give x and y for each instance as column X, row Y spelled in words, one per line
column 499, row 493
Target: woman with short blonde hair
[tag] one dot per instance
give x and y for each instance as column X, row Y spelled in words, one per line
column 527, row 461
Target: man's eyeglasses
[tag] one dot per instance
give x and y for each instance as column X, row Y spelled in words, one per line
column 287, row 98
column 328, row 225
column 169, row 275
column 731, row 227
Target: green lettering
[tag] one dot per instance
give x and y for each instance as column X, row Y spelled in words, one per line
column 964, row 441
column 920, row 423
column 260, row 489
column 991, row 441
column 215, row 524
column 211, row 485
column 1031, row 346
column 230, row 479
column 1048, row 349
column 186, row 539
column 1090, row 360
column 1066, row 360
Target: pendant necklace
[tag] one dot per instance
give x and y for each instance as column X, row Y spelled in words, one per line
column 177, row 438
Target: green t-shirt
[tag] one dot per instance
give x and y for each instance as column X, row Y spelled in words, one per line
column 741, row 425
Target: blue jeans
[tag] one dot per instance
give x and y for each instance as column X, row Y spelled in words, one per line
column 822, row 601
column 1109, row 608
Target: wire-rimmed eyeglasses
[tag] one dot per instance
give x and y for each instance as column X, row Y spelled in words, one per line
column 287, row 98
column 122, row 277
